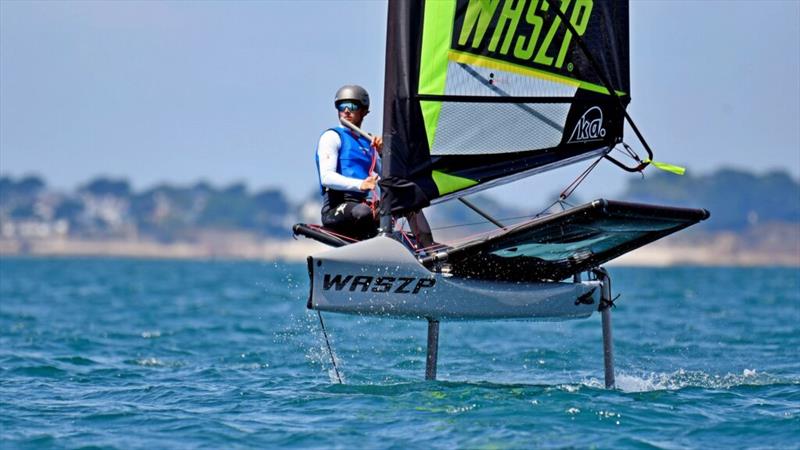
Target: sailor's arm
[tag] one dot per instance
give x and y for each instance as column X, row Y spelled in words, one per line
column 328, row 154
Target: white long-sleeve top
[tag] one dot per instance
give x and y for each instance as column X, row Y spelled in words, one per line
column 328, row 155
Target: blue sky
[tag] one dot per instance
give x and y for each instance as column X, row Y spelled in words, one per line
column 240, row 91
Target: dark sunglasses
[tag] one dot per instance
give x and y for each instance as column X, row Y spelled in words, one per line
column 348, row 105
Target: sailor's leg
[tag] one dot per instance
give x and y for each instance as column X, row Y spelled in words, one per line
column 365, row 222
column 337, row 216
column 421, row 229
column 350, row 218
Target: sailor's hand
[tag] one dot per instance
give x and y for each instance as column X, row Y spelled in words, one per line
column 377, row 143
column 369, row 183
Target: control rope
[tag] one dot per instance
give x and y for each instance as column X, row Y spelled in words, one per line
column 330, row 351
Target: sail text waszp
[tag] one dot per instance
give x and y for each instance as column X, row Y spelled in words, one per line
column 522, row 31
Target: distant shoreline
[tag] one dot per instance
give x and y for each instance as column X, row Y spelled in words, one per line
column 723, row 249
column 266, row 250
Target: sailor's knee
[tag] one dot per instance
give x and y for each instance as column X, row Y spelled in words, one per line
column 361, row 212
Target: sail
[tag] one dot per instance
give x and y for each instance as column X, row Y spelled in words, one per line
column 482, row 92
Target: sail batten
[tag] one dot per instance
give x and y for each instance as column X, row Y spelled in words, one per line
column 497, row 99
column 480, row 93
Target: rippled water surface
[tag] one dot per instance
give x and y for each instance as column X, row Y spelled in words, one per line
column 160, row 354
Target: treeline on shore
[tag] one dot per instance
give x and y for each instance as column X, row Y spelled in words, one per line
column 108, row 207
column 737, row 199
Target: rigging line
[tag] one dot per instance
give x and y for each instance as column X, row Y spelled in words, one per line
column 330, row 351
column 472, row 224
column 485, row 234
column 546, row 209
column 577, row 181
column 526, row 216
column 561, row 200
column 585, row 49
column 431, row 248
column 405, row 235
column 408, row 239
column 327, row 231
column 373, row 204
column 629, row 152
column 499, row 91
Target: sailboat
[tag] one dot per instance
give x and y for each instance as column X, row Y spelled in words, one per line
column 479, row 93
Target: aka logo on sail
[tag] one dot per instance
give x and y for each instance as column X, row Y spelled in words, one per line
column 589, row 127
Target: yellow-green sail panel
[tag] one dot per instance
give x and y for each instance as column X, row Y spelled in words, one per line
column 436, row 36
column 451, row 183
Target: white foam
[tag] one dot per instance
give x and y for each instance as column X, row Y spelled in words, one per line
column 150, row 362
column 680, row 379
column 319, row 354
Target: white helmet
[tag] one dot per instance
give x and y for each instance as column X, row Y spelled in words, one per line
column 352, row 92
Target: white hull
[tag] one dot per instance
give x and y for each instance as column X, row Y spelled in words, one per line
column 381, row 277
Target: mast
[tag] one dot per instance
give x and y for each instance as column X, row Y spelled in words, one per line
column 405, row 152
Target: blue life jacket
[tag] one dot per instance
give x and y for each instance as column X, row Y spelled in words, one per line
column 355, row 157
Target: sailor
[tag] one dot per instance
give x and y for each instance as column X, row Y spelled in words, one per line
column 348, row 165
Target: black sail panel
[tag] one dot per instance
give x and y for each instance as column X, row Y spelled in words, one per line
column 480, row 92
column 406, row 179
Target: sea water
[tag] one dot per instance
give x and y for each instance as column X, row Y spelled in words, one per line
column 164, row 354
